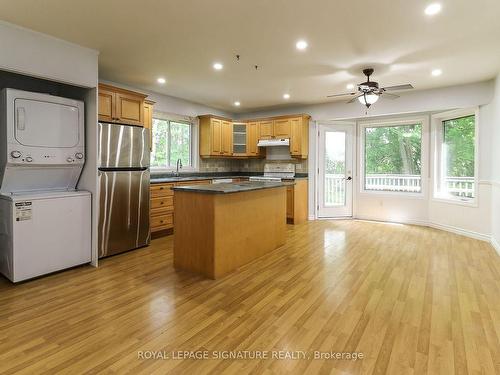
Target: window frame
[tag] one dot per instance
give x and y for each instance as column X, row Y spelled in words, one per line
column 193, row 141
column 437, row 165
column 388, row 122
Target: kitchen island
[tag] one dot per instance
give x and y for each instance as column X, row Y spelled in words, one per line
column 221, row 227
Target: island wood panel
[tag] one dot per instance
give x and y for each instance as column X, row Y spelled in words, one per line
column 217, row 233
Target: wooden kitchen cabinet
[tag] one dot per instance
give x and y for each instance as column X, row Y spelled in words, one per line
column 216, row 139
column 266, row 129
column 148, row 120
column 162, row 206
column 120, row 105
column 227, row 138
column 106, row 104
column 281, row 128
column 297, row 202
column 252, row 139
column 299, row 137
column 216, row 136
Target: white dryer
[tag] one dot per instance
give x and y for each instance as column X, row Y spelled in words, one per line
column 41, row 141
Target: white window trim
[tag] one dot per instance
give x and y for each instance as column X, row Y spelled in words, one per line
column 194, row 141
column 437, row 136
column 424, row 152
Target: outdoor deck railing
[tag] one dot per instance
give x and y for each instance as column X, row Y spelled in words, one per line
column 335, row 185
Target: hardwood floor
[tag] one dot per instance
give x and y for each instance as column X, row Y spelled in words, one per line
column 413, row 300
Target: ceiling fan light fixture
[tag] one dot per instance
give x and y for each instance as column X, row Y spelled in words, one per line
column 368, row 99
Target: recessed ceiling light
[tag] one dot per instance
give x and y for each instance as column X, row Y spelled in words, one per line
column 301, row 45
column 218, row 66
column 350, row 86
column 433, row 9
column 437, row 72
column 161, row 80
column 286, row 96
column 237, row 104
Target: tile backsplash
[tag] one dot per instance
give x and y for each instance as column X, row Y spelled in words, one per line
column 245, row 165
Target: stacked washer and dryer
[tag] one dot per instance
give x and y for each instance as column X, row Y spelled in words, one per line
column 45, row 223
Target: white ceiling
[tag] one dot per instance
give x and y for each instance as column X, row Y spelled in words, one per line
column 181, row 39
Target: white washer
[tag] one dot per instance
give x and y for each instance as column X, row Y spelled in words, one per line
column 42, row 233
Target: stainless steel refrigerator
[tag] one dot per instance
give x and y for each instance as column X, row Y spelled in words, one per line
column 123, row 173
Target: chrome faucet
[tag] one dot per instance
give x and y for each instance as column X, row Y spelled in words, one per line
column 178, row 166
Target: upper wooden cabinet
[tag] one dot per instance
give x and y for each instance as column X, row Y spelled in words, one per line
column 296, row 128
column 281, row 128
column 299, row 137
column 121, row 106
column 215, row 140
column 252, row 139
column 216, row 136
column 266, row 130
column 148, row 120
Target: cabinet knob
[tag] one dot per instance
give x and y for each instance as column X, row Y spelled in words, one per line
column 161, row 188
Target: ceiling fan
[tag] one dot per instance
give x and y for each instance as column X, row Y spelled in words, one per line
column 369, row 92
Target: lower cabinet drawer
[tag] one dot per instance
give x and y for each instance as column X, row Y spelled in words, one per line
column 161, row 190
column 162, row 202
column 162, row 222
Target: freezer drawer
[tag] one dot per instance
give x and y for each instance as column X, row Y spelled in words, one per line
column 124, row 211
column 123, row 146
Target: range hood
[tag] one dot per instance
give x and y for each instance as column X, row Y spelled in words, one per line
column 273, row 142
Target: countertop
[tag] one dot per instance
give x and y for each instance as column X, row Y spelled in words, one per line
column 228, row 188
column 158, row 179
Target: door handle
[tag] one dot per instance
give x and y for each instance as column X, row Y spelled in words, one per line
column 21, row 118
column 349, row 178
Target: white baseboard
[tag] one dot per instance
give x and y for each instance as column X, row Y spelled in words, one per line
column 462, row 232
column 374, row 218
column 311, row 218
column 495, row 244
column 448, row 228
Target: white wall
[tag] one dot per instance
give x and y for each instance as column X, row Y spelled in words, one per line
column 28, row 52
column 495, row 166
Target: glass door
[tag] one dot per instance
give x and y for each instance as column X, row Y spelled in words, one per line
column 335, row 173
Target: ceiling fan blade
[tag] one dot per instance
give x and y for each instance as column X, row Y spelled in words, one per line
column 354, row 99
column 390, row 96
column 347, row 93
column 399, row 87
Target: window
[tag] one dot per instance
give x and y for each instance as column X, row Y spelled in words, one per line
column 171, row 141
column 393, row 157
column 456, row 157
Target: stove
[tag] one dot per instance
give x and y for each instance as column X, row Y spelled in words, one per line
column 276, row 172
